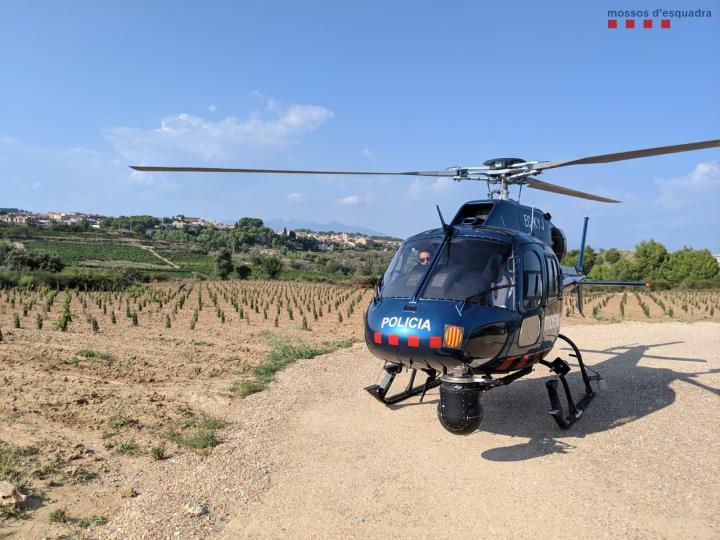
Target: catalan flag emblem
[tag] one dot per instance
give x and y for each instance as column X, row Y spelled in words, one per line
column 453, row 336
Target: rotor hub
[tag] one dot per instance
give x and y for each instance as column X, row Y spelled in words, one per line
column 502, row 163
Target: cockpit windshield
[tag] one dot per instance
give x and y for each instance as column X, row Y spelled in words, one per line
column 408, row 267
column 472, row 270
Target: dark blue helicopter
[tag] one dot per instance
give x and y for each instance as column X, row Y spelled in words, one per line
column 480, row 301
column 477, row 303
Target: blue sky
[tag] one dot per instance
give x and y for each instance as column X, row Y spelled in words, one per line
column 91, row 87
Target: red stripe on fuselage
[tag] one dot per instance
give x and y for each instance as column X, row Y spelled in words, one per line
column 506, row 364
column 521, row 363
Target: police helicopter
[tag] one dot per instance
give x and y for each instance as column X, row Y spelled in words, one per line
column 477, row 303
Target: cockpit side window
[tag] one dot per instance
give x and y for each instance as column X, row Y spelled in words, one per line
column 532, row 280
column 553, row 278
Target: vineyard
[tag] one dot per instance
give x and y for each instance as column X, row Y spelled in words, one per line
column 189, row 261
column 73, row 253
column 96, row 384
column 657, row 306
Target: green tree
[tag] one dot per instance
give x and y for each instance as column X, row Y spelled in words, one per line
column 599, row 271
column 688, row 265
column 612, row 255
column 272, row 266
column 571, row 259
column 621, row 270
column 649, row 259
column 223, row 263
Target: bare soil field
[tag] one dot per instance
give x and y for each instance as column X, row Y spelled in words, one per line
column 87, row 408
column 141, row 431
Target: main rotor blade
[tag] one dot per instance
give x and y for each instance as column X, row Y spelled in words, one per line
column 545, row 186
column 144, row 168
column 631, row 154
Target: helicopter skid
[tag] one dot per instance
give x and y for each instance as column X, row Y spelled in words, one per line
column 561, row 368
column 576, row 409
column 379, row 391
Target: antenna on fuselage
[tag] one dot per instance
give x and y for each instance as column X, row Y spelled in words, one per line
column 582, row 245
column 447, row 228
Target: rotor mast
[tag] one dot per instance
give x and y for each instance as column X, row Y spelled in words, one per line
column 504, row 171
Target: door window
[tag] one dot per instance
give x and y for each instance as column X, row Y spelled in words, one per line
column 553, row 277
column 532, row 280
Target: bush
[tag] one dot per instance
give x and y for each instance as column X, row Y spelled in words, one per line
column 272, row 266
column 660, row 285
column 20, row 260
column 243, row 271
column 696, row 284
column 59, row 516
column 367, row 282
column 158, row 452
column 223, row 263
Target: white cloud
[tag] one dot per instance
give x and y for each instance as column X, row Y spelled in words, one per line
column 212, row 108
column 368, row 154
column 183, row 137
column 350, row 200
column 704, row 178
column 295, row 198
column 355, row 200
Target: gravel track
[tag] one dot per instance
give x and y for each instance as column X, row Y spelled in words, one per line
column 316, row 456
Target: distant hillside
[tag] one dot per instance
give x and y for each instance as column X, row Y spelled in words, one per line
column 335, row 226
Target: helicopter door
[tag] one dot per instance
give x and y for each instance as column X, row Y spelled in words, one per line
column 532, row 300
column 553, row 304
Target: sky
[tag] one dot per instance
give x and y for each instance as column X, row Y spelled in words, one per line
column 88, row 88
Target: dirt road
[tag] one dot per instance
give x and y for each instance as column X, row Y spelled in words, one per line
column 316, row 456
column 152, row 251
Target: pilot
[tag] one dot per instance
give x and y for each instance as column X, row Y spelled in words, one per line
column 419, row 269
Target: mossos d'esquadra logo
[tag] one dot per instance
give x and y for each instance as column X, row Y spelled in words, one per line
column 415, row 323
column 552, row 322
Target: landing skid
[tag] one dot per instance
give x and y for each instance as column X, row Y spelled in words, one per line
column 379, row 391
column 561, row 368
